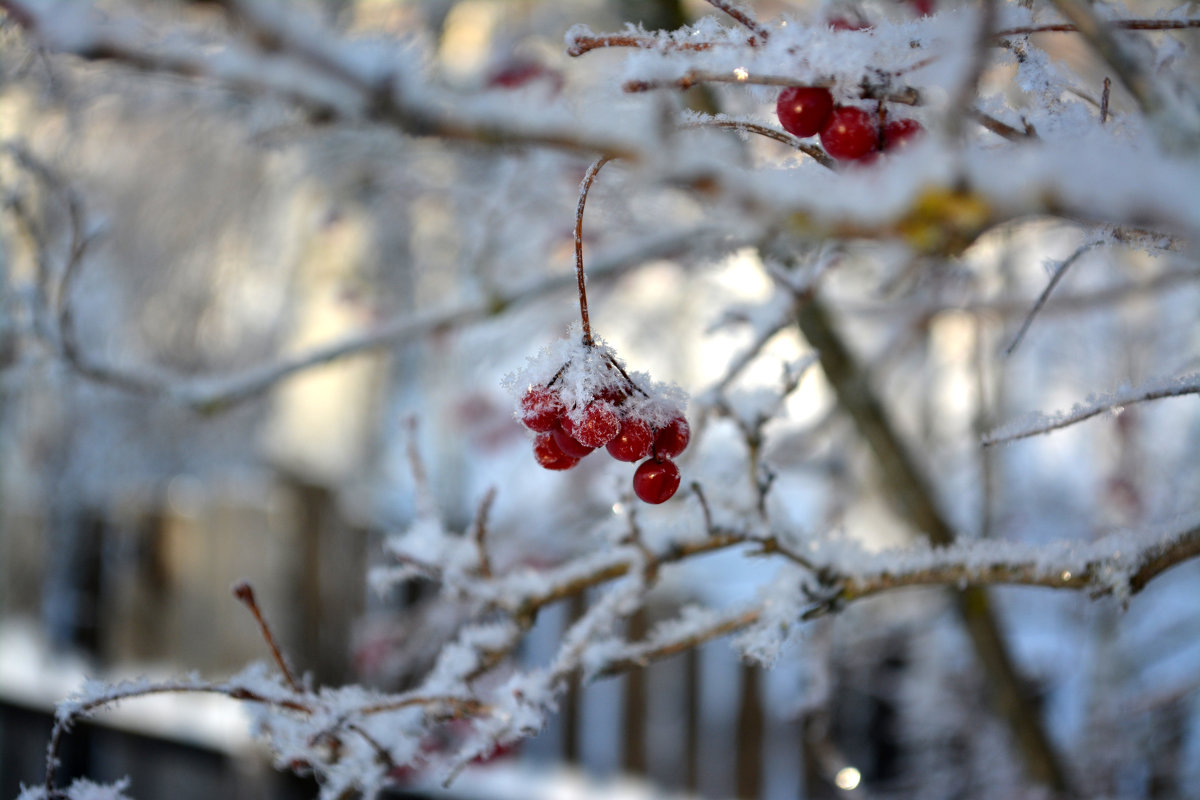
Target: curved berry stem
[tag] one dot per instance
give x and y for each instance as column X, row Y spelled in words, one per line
column 584, row 187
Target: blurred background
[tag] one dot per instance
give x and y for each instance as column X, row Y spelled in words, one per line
column 231, row 232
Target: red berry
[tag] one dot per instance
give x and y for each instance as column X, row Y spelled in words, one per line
column 672, row 438
column 634, row 441
column 655, row 480
column 842, row 24
column 540, row 409
column 849, row 134
column 898, row 134
column 803, row 110
column 550, row 455
column 923, row 7
column 518, row 73
column 567, row 443
column 596, row 426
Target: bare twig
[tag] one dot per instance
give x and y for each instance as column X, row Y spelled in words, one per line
column 704, row 507
column 1059, row 272
column 1000, row 128
column 480, row 531
column 1122, row 24
column 968, row 88
column 244, row 592
column 1104, row 95
column 1128, row 69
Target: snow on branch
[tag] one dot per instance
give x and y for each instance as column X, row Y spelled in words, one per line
column 1115, row 402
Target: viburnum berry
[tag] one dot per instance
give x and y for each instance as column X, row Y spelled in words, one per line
column 672, row 439
column 804, row 110
column 656, row 480
column 596, row 426
column 550, row 455
column 849, row 134
column 541, row 407
column 633, row 442
column 840, row 23
column 568, row 444
column 900, row 133
column 518, row 73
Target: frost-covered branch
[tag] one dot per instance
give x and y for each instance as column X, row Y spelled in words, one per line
column 1154, row 389
column 325, row 79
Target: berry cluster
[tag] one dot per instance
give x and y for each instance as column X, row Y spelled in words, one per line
column 592, row 402
column 847, row 133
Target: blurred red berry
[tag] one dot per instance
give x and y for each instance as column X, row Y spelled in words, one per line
column 840, row 23
column 803, row 110
column 923, row 7
column 849, row 134
column 522, row 72
column 898, row 134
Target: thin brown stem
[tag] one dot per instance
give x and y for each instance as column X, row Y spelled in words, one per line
column 584, row 188
column 1002, row 129
column 480, row 532
column 964, row 98
column 244, row 592
column 1122, row 24
column 584, row 44
column 1045, row 295
column 742, row 18
column 1104, row 100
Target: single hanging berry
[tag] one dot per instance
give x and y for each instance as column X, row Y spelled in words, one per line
column 804, row 110
column 656, row 480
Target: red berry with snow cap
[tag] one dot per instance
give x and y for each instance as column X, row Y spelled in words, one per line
column 634, row 441
column 541, row 407
column 596, row 426
column 656, row 480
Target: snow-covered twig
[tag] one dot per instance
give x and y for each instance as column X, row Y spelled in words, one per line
column 1034, row 425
